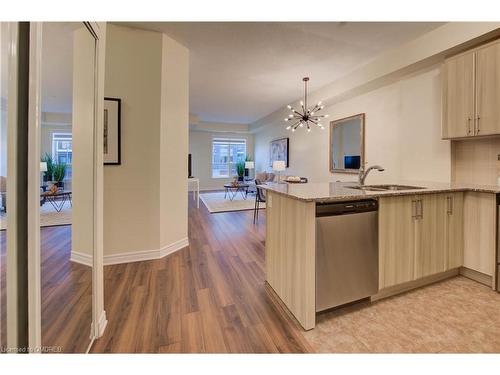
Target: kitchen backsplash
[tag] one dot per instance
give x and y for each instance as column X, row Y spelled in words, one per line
column 475, row 161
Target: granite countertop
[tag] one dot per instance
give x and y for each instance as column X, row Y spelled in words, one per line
column 323, row 192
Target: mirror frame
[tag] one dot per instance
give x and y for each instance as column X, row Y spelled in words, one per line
column 336, row 123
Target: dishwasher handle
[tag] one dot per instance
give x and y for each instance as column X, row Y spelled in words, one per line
column 345, row 208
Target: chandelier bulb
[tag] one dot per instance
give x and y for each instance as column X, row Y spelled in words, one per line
column 301, row 102
column 301, row 125
column 319, row 103
column 289, row 106
column 327, row 116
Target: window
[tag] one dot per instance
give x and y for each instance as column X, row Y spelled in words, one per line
column 225, row 154
column 62, row 151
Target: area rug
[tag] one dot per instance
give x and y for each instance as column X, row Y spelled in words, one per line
column 48, row 216
column 215, row 202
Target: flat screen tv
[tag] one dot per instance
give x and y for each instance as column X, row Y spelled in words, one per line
column 352, row 161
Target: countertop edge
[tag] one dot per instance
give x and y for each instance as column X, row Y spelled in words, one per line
column 376, row 195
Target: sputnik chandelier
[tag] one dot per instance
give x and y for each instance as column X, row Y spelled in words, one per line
column 304, row 116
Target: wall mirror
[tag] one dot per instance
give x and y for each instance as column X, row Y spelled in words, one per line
column 347, row 140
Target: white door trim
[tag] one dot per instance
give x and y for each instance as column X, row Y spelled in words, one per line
column 34, row 131
column 11, row 281
column 99, row 321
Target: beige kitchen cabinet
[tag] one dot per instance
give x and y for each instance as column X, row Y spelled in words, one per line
column 419, row 236
column 471, row 92
column 479, row 232
column 430, row 235
column 458, row 96
column 396, row 240
column 487, row 120
column 454, row 230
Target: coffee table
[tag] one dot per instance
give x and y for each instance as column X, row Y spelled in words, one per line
column 57, row 199
column 231, row 190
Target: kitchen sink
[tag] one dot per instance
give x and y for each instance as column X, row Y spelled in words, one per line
column 385, row 187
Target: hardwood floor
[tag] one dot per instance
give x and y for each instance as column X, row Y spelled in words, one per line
column 206, row 298
column 66, row 293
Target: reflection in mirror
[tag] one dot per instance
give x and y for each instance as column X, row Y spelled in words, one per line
column 4, row 74
column 66, row 186
column 347, row 144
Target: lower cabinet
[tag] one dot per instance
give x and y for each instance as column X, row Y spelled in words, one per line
column 479, row 232
column 430, row 235
column 396, row 240
column 419, row 235
column 454, row 227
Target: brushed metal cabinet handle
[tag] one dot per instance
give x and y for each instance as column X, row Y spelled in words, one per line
column 421, row 205
column 413, row 209
column 468, row 125
column 478, row 128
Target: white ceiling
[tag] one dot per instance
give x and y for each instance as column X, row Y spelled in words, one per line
column 240, row 72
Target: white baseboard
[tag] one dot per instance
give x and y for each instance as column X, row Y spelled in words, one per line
column 102, row 323
column 81, row 258
column 142, row 255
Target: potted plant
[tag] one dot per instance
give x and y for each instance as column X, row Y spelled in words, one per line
column 49, row 174
column 59, row 174
column 240, row 170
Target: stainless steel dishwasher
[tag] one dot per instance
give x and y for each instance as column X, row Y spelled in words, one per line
column 346, row 252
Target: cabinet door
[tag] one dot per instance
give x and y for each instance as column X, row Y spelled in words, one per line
column 458, row 96
column 430, row 235
column 479, row 232
column 396, row 240
column 487, row 120
column 454, row 227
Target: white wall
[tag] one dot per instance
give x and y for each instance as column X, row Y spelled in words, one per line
column 145, row 198
column 403, row 125
column 200, row 148
column 174, row 143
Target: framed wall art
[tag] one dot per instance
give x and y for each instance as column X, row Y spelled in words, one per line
column 112, row 131
column 278, row 150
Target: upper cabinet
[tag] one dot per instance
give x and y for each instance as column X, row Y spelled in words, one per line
column 488, row 90
column 471, row 90
column 458, row 96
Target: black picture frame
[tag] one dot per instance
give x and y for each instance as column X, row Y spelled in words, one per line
column 118, row 159
column 281, row 142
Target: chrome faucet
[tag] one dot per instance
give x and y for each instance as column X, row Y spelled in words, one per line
column 362, row 173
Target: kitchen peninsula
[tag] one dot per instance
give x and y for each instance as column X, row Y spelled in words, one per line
column 425, row 232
